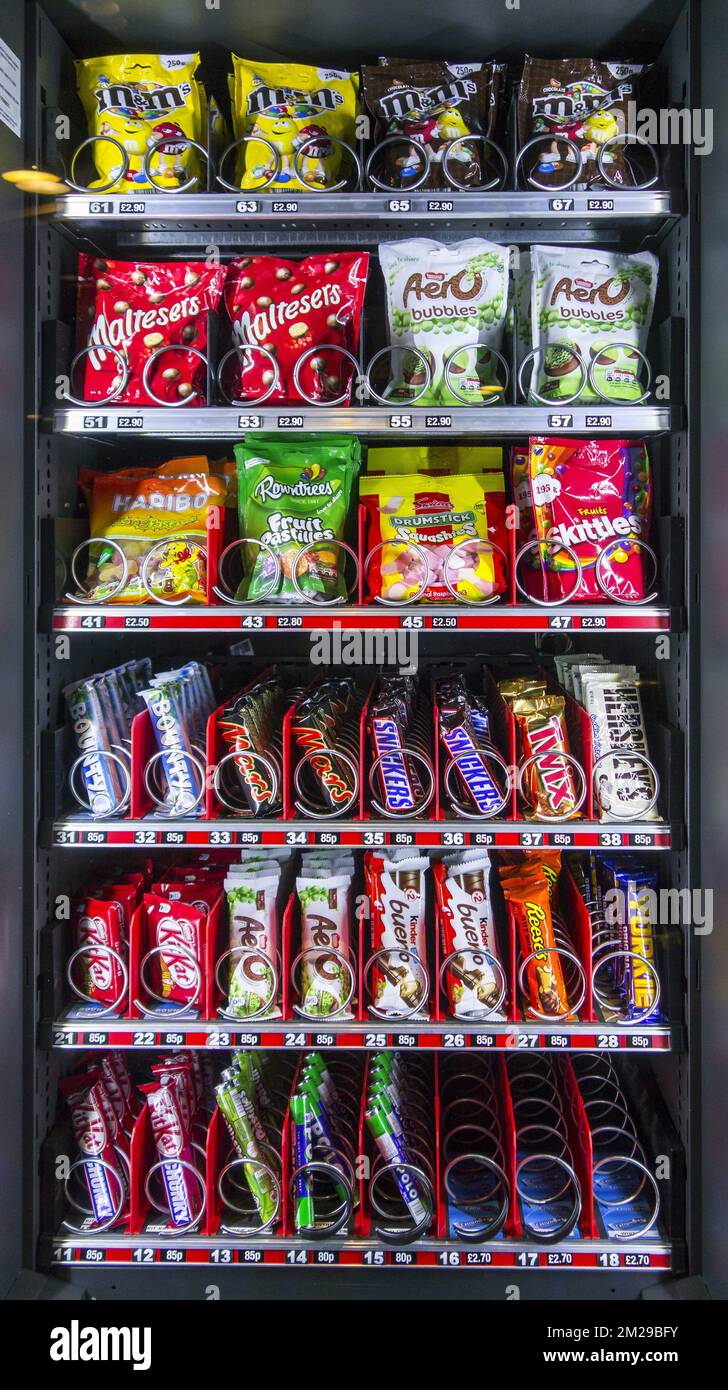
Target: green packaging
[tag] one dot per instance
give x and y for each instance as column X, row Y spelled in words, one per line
column 292, row 494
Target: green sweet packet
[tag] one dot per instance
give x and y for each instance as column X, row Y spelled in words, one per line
column 291, row 494
column 591, row 312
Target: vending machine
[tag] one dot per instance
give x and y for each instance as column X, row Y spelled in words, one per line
column 363, row 598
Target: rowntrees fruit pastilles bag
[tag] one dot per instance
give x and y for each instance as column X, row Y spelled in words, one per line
column 594, row 303
column 291, row 494
column 445, row 301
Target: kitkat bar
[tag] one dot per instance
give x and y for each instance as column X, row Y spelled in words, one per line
column 136, row 308
column 176, row 933
column 292, row 308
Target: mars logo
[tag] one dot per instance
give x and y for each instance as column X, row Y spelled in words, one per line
column 77, row 1343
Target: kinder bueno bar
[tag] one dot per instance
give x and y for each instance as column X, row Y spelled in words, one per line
column 400, row 983
column 136, row 308
column 178, row 931
column 289, row 309
column 175, row 1151
column 594, row 496
column 94, row 1127
column 474, row 986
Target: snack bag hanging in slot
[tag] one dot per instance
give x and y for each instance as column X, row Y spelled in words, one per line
column 586, row 102
column 292, row 494
column 290, row 310
column 143, row 100
column 591, row 312
column 594, row 495
column 440, row 516
column 127, row 311
column 448, row 303
column 297, row 113
column 140, row 514
column 429, row 105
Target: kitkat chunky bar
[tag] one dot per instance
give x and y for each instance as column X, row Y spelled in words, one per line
column 585, row 101
column 134, row 308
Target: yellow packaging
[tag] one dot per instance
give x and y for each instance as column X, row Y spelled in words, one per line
column 438, row 515
column 288, row 104
column 435, row 458
column 137, row 98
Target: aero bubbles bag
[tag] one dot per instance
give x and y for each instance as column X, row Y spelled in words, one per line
column 138, row 99
column 593, row 305
column 443, row 300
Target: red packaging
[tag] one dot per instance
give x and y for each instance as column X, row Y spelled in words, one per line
column 289, row 308
column 172, row 1141
column 120, row 1089
column 592, row 495
column 179, row 929
column 97, row 1134
column 179, row 1070
column 138, row 307
column 97, row 923
column 197, row 893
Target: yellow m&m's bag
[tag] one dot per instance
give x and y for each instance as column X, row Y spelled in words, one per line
column 300, row 112
column 148, row 103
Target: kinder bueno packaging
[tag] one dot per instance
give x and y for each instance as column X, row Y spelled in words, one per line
column 141, row 100
column 447, row 519
column 449, row 302
column 428, row 105
column 98, row 930
column 178, row 930
column 399, row 980
column 591, row 312
column 296, row 109
column 176, row 1155
column 96, row 1131
column 593, row 495
column 288, row 309
column 475, row 986
column 136, row 308
column 585, row 101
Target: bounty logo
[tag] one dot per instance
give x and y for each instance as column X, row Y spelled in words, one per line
column 77, row 1343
